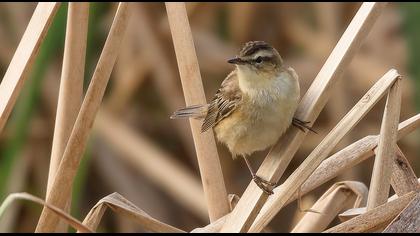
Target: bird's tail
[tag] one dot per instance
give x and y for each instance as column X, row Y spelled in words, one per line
column 195, row 111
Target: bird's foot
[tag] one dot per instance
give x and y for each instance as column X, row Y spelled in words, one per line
column 302, row 125
column 264, row 185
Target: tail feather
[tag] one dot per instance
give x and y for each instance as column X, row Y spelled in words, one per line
column 195, row 111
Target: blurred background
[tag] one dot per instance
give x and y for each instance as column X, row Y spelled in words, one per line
column 135, row 149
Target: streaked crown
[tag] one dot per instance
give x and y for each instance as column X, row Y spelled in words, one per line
column 258, row 54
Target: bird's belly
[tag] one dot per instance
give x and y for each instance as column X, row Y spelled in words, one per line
column 251, row 129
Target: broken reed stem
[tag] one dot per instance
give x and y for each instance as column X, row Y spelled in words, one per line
column 378, row 216
column 24, row 57
column 205, row 145
column 309, row 108
column 382, row 169
column 337, row 198
column 403, row 179
column 120, row 205
column 298, row 177
column 151, row 161
column 61, row 187
column 71, row 86
column 343, row 160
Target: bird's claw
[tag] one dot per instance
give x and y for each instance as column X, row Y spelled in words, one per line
column 264, row 185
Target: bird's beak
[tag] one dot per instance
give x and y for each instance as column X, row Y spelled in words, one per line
column 237, row 61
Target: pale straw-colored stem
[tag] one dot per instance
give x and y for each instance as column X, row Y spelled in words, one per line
column 61, row 187
column 205, row 145
column 382, row 169
column 309, row 108
column 24, row 57
column 71, row 86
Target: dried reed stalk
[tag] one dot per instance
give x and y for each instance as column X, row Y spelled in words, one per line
column 151, row 161
column 71, row 87
column 311, row 105
column 208, row 159
column 378, row 216
column 55, row 210
column 61, row 188
column 342, row 195
column 24, row 57
column 332, row 167
column 408, row 221
column 298, row 177
column 403, row 179
column 120, row 205
column 382, row 169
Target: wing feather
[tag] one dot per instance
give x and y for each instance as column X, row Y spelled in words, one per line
column 224, row 102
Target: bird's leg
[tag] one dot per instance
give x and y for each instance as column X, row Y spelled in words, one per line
column 299, row 197
column 263, row 184
column 302, row 125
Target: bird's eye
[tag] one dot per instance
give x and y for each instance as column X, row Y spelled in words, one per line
column 258, row 60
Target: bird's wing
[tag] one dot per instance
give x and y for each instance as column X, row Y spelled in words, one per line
column 224, row 101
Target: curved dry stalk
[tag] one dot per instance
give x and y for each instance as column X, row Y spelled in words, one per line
column 205, row 145
column 340, row 196
column 311, row 105
column 24, row 57
column 120, row 205
column 59, row 213
column 382, row 169
column 61, row 187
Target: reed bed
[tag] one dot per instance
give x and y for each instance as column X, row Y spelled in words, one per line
column 358, row 208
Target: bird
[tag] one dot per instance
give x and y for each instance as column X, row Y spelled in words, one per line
column 254, row 105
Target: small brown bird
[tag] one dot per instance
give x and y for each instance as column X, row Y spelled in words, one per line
column 254, row 105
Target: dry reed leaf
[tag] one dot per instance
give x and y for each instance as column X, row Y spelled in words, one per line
column 378, row 216
column 60, row 213
column 207, row 156
column 333, row 166
column 309, row 108
column 120, row 205
column 71, row 87
column 151, row 161
column 308, row 166
column 24, row 57
column 403, row 178
column 408, row 221
column 340, row 196
column 61, row 187
column 382, row 169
